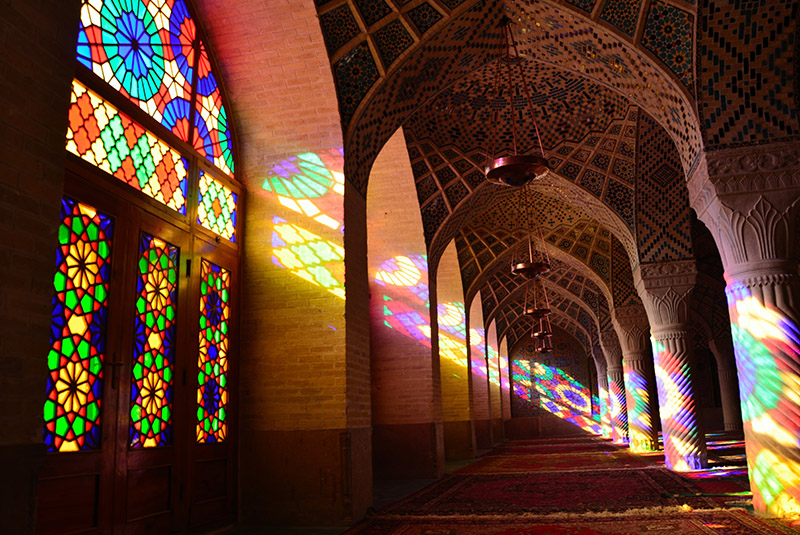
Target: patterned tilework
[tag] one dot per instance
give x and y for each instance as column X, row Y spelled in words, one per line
column 452, row 4
column 433, row 214
column 663, row 216
column 585, row 5
column 355, row 74
column 372, row 10
column 338, row 27
column 553, row 31
column 622, row 13
column 456, row 193
column 424, row 17
column 669, row 34
column 620, row 198
column 745, row 65
column 392, row 40
column 622, row 288
column 461, row 114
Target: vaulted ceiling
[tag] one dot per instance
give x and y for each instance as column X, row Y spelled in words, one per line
column 613, row 85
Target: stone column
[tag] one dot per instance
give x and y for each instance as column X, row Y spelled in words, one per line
column 616, row 387
column 633, row 330
column 728, row 382
column 665, row 289
column 748, row 198
column 602, row 391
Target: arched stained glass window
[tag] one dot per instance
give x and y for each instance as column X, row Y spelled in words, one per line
column 150, row 51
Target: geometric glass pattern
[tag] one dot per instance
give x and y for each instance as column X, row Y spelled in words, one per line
column 216, row 207
column 154, row 343
column 212, row 134
column 149, row 51
column 212, row 376
column 78, row 329
column 110, row 140
column 144, row 50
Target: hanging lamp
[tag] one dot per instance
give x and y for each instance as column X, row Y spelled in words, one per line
column 516, row 169
column 530, row 260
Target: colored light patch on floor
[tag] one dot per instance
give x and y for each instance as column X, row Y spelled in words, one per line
column 307, row 255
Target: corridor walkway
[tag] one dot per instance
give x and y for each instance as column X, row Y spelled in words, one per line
column 579, row 485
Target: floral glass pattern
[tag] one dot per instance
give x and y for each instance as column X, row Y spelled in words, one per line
column 154, row 343
column 212, row 375
column 72, row 409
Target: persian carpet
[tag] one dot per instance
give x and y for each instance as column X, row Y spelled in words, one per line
column 549, row 462
column 572, row 491
column 727, row 522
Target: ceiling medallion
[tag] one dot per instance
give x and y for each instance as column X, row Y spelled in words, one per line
column 516, row 169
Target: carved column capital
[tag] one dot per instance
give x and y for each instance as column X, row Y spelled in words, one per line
column 748, row 198
column 632, row 327
column 666, row 289
column 611, row 350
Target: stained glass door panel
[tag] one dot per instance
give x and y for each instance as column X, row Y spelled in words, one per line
column 152, row 431
column 212, row 466
column 80, row 402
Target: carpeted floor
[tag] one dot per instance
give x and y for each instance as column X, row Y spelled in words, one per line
column 577, row 486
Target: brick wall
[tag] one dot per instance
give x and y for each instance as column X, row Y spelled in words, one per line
column 478, row 372
column 494, row 387
column 304, row 363
column 38, row 42
column 505, row 378
column 454, row 374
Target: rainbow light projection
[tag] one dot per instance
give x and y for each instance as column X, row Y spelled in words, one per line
column 677, row 410
column 405, row 278
column 303, row 182
column 453, row 332
column 767, row 348
column 605, row 413
column 619, row 411
column 78, row 329
column 317, row 260
column 556, row 392
column 478, row 352
column 640, row 421
column 113, row 142
column 311, row 184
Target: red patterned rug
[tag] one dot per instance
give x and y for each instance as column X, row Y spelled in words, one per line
column 727, row 522
column 575, row 492
column 526, row 463
column 515, row 448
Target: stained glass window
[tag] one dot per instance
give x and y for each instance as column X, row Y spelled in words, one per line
column 145, row 50
column 154, row 349
column 212, row 376
column 78, row 329
column 212, row 136
column 103, row 136
column 148, row 50
column 216, row 207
